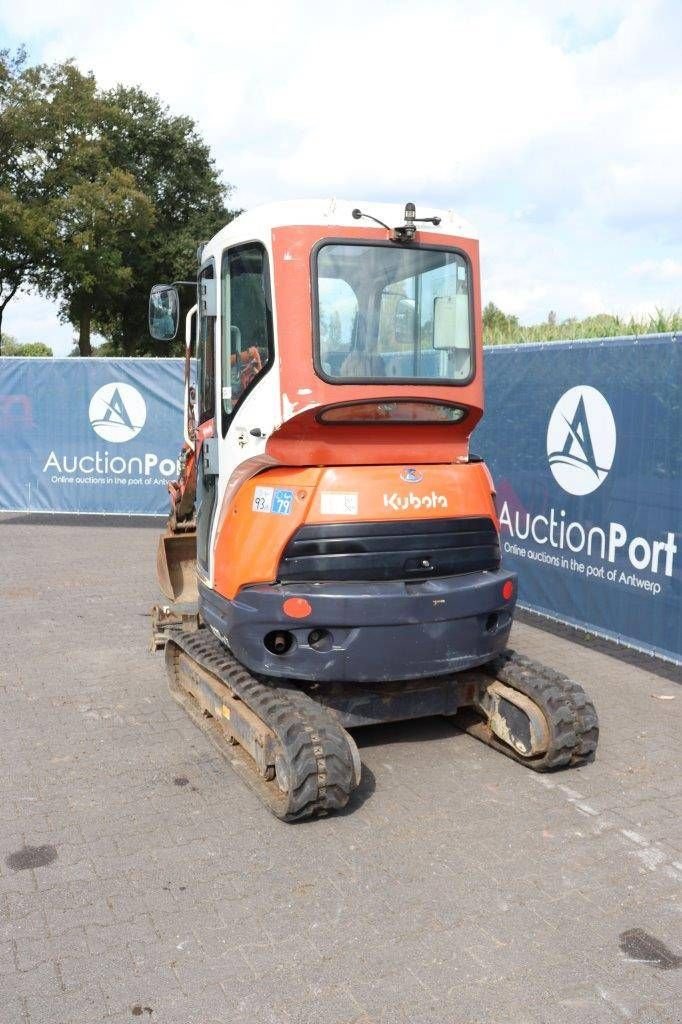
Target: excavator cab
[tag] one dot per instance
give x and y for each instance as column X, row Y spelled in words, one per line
column 346, row 548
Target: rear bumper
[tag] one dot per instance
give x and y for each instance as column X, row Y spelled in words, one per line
column 377, row 631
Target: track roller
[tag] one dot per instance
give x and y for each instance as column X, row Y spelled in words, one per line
column 288, row 748
column 532, row 714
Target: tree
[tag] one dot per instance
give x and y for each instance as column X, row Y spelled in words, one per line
column 498, row 326
column 46, row 117
column 102, row 195
column 10, row 347
column 493, row 318
column 96, row 220
column 173, row 168
column 18, row 231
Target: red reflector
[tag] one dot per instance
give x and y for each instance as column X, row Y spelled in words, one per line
column 507, row 590
column 297, row 608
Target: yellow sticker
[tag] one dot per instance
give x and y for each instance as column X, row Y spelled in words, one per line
column 225, row 711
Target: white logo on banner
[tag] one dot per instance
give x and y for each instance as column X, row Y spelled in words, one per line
column 117, row 412
column 581, row 440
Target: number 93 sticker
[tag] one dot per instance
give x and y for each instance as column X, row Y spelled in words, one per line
column 277, row 500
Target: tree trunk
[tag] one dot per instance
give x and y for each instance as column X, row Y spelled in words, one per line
column 127, row 340
column 4, row 302
column 84, row 346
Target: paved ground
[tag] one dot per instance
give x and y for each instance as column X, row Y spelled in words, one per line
column 459, row 888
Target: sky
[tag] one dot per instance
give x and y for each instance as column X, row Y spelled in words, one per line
column 554, row 127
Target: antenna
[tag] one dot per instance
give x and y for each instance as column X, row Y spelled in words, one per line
column 357, row 214
column 408, row 230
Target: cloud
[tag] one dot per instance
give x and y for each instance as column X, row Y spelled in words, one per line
column 555, row 124
column 667, row 269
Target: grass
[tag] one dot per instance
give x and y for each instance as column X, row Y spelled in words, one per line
column 506, row 330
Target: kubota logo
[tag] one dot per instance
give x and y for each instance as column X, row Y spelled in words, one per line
column 403, row 502
column 117, row 412
column 581, row 440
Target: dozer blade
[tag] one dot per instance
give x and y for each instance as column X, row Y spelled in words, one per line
column 176, row 566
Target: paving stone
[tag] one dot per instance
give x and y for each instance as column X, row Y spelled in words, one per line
column 32, row 952
column 14, row 1009
column 459, row 889
column 85, row 1005
column 7, row 958
column 42, row 980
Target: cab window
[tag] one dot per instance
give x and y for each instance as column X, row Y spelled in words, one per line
column 393, row 312
column 247, row 348
column 206, row 358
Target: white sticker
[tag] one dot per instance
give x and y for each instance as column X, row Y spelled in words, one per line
column 262, row 499
column 227, row 392
column 336, row 503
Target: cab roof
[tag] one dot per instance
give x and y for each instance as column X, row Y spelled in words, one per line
column 258, row 222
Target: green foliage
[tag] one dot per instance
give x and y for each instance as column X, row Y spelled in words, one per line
column 101, row 195
column 24, row 221
column 108, row 349
column 48, row 116
column 499, row 329
column 10, row 347
column 173, row 168
column 498, row 324
column 95, row 222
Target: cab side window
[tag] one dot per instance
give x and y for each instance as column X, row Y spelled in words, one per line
column 247, row 347
column 206, row 359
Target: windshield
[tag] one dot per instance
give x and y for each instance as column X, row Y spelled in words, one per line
column 386, row 312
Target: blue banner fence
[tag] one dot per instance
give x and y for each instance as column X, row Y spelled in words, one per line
column 583, row 440
column 89, row 435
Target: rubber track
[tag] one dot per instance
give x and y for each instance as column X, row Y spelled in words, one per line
column 572, row 719
column 319, row 754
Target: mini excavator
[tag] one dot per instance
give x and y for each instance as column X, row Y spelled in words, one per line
column 332, row 557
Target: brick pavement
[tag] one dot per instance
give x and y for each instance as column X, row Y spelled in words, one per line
column 141, row 880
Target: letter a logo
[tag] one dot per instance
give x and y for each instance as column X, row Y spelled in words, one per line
column 117, row 412
column 581, row 440
column 578, row 440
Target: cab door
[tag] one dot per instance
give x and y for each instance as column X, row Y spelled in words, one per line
column 206, row 435
column 249, row 394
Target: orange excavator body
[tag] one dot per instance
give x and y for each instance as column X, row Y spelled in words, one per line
column 345, row 553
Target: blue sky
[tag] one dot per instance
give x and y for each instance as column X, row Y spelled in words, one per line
column 555, row 128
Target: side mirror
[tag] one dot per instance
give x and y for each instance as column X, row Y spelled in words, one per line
column 405, row 321
column 164, row 312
